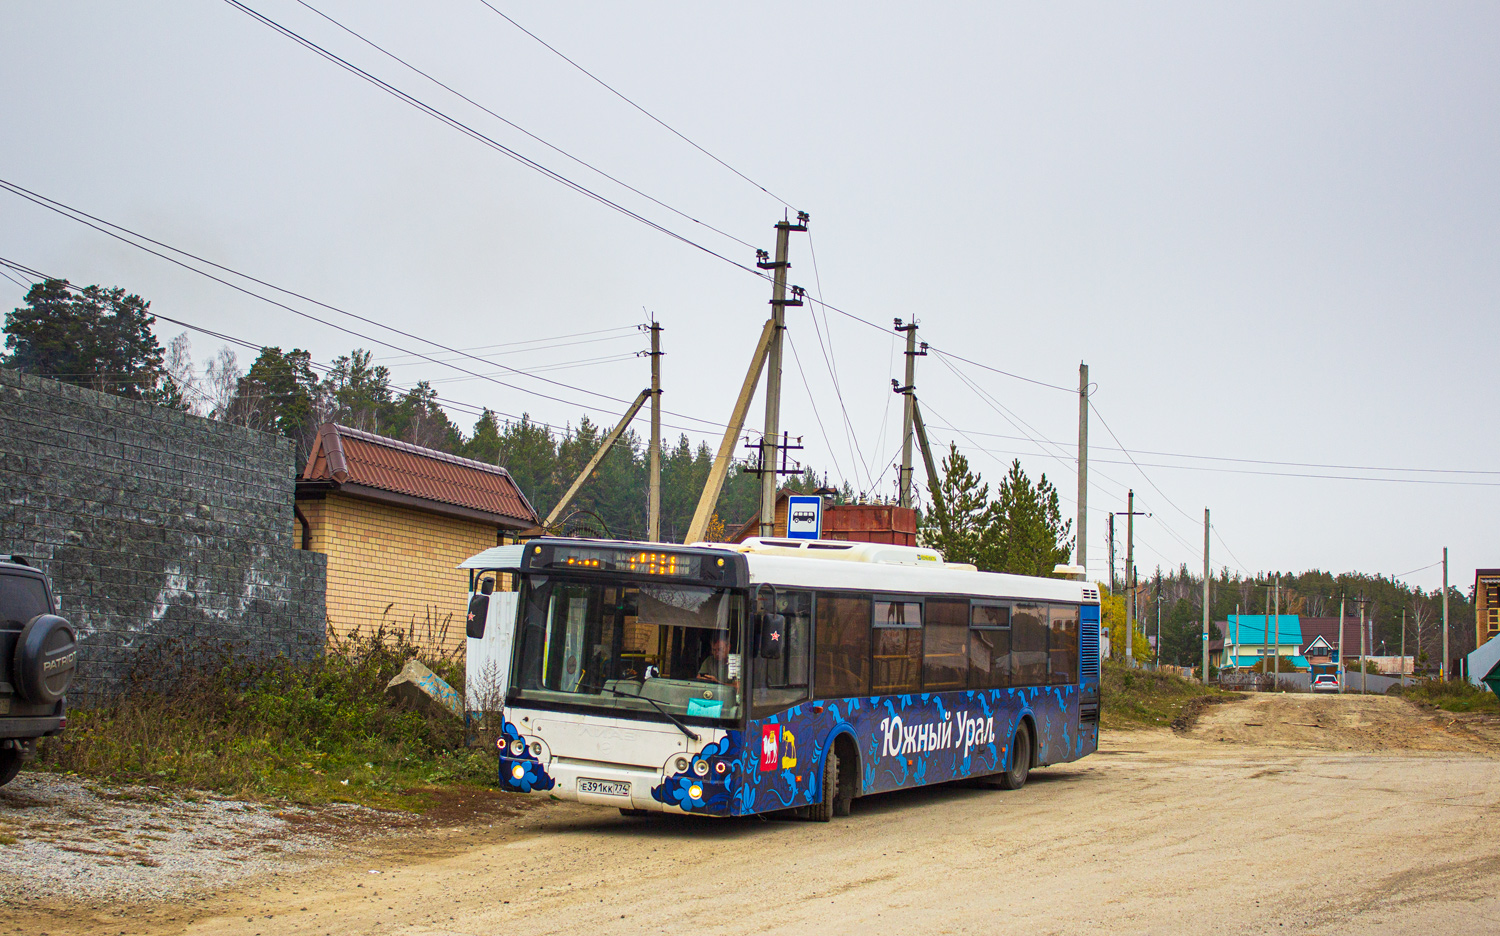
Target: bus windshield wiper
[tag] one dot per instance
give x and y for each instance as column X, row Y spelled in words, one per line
column 692, row 735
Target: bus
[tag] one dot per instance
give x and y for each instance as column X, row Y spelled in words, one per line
column 781, row 675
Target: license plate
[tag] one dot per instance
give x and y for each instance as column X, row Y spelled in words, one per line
column 603, row 787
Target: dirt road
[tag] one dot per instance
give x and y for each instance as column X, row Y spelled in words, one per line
column 1159, row 833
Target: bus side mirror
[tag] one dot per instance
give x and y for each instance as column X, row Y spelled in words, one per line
column 479, row 610
column 772, row 635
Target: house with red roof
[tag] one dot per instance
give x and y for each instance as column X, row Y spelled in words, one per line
column 395, row 521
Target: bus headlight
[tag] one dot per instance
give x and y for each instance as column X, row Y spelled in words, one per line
column 517, row 747
column 682, row 764
column 700, row 768
column 720, row 766
column 536, row 749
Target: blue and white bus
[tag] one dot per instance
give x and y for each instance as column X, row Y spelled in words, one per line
column 729, row 680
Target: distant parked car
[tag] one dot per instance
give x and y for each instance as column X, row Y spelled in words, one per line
column 38, row 654
column 1325, row 682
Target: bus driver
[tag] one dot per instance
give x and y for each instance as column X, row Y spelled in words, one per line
column 715, row 666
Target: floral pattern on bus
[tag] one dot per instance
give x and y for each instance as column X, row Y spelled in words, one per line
column 521, row 773
column 909, row 740
column 712, row 791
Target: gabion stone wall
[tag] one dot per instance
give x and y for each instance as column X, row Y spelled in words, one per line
column 169, row 538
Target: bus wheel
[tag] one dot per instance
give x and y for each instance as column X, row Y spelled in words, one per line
column 1020, row 760
column 822, row 812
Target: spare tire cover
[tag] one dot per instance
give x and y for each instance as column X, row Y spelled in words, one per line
column 46, row 656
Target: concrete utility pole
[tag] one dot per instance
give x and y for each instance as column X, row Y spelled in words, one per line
column 603, row 450
column 1276, row 663
column 1206, row 630
column 1403, row 643
column 715, row 483
column 779, row 302
column 934, row 484
column 1363, row 682
column 1265, row 632
column 1443, row 673
column 653, row 501
column 1082, row 557
column 1236, row 637
column 1111, row 523
column 908, row 415
column 1343, row 669
column 1130, row 576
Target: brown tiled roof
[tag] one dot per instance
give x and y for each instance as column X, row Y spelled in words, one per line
column 1328, row 629
column 362, row 463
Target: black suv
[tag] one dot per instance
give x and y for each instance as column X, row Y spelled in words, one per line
column 38, row 653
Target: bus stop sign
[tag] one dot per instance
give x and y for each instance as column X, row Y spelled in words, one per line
column 804, row 516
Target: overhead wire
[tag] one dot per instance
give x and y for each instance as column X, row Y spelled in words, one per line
column 602, row 83
column 812, row 401
column 110, row 228
column 480, row 137
column 549, row 173
column 471, row 408
column 538, row 344
column 830, row 362
column 513, row 125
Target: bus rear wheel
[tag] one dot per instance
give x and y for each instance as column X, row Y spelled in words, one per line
column 824, row 811
column 1020, row 760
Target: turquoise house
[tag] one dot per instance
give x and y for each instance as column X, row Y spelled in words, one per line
column 1248, row 637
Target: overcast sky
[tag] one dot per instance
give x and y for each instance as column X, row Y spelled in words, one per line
column 1270, row 229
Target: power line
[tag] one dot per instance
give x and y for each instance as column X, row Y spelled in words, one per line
column 518, row 347
column 513, row 125
column 812, row 402
column 830, row 362
column 79, row 216
column 638, row 107
column 253, row 346
column 480, row 137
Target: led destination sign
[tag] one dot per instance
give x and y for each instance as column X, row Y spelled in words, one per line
column 632, row 561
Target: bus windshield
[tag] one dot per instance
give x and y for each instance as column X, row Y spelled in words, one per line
column 639, row 646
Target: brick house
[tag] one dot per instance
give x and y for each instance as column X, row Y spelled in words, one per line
column 862, row 523
column 395, row 520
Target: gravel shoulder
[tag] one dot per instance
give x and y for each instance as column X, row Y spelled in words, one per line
column 1162, row 831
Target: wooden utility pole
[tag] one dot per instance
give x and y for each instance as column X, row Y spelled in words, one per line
column 1081, row 557
column 720, row 469
column 908, row 414
column 1403, row 643
column 653, row 502
column 1206, row 630
column 779, row 302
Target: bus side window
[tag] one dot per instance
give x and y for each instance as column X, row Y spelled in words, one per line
column 945, row 650
column 989, row 646
column 781, row 682
column 842, row 651
column 1028, row 644
column 896, row 640
column 1064, row 645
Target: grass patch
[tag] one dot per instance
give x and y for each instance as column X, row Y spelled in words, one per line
column 307, row 732
column 1138, row 698
column 1455, row 695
